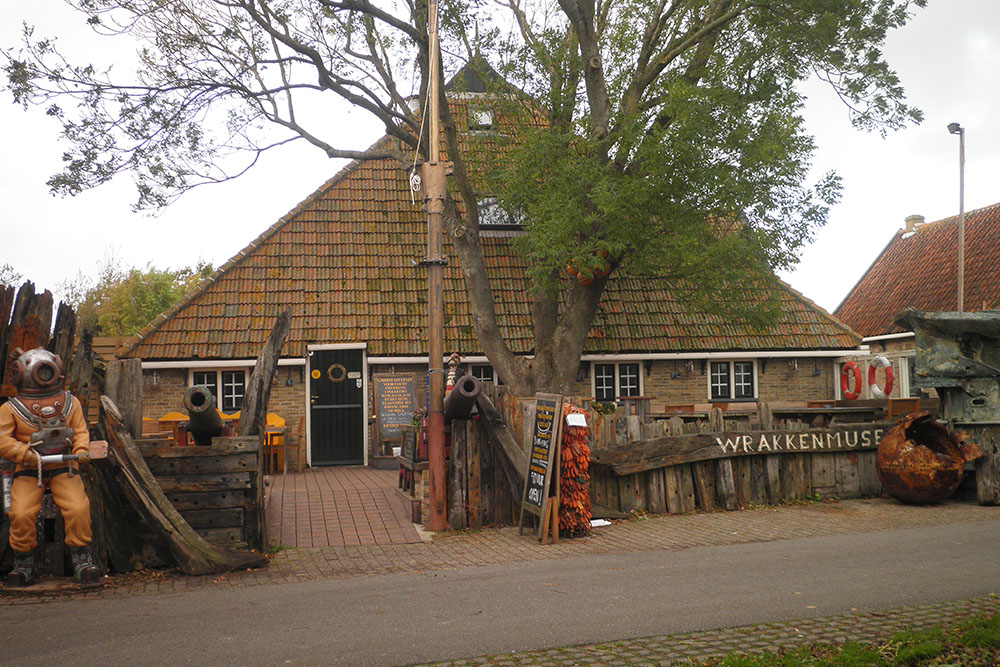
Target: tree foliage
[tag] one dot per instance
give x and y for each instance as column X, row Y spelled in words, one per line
column 666, row 136
column 9, row 276
column 121, row 301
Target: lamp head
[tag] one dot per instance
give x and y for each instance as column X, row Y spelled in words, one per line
column 954, row 128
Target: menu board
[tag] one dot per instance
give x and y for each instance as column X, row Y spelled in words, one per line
column 543, row 449
column 394, row 404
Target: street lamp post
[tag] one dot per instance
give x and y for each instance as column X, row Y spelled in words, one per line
column 955, row 128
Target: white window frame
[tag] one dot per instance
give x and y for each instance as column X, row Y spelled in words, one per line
column 219, row 387
column 489, row 209
column 485, row 369
column 617, row 377
column 732, row 380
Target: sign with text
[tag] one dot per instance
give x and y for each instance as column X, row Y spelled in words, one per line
column 394, row 404
column 543, row 449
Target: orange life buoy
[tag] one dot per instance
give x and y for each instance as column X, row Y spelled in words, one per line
column 850, row 368
column 880, row 362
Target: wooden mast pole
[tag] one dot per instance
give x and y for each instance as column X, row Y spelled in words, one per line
column 435, row 188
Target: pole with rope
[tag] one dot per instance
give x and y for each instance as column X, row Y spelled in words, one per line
column 434, row 184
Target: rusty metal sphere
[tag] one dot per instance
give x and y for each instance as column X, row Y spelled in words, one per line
column 919, row 462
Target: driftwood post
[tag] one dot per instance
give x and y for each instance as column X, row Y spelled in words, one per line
column 123, row 384
column 193, row 554
column 258, row 390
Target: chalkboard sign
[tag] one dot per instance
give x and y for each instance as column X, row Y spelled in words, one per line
column 543, row 450
column 394, row 404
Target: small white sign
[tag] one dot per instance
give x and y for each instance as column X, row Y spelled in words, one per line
column 576, row 419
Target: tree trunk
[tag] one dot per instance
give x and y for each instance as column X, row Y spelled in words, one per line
column 258, row 390
column 193, row 554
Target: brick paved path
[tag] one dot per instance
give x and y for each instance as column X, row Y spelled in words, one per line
column 869, row 628
column 338, row 506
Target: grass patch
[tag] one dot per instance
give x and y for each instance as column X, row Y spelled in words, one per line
column 973, row 643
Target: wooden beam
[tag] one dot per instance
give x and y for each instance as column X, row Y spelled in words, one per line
column 675, row 450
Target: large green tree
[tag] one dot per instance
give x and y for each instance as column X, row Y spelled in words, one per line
column 666, row 135
column 121, row 301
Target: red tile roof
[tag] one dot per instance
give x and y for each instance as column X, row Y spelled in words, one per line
column 920, row 270
column 344, row 261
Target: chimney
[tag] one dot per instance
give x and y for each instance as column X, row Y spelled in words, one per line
column 911, row 224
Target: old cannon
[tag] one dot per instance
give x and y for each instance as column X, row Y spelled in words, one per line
column 459, row 401
column 204, row 421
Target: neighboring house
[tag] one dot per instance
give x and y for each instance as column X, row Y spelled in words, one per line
column 919, row 269
column 345, row 261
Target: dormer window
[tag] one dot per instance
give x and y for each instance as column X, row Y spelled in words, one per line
column 480, row 119
column 494, row 217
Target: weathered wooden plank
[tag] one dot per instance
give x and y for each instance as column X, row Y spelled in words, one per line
column 703, row 473
column 627, row 492
column 223, row 537
column 758, row 480
column 486, row 476
column 678, row 449
column 824, row 475
column 868, row 480
column 207, row 500
column 614, row 497
column 474, row 475
column 458, row 515
column 772, row 466
column 228, row 517
column 203, row 465
column 633, row 428
column 656, row 498
column 672, row 488
column 846, row 469
column 987, row 466
column 725, row 484
column 203, row 483
column 741, row 470
column 220, row 447
column 686, row 490
column 123, row 384
column 258, row 387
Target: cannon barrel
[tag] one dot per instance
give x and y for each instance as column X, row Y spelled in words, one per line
column 204, row 421
column 459, row 401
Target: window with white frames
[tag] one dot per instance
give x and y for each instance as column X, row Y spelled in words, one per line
column 732, row 380
column 231, row 382
column 484, row 373
column 613, row 381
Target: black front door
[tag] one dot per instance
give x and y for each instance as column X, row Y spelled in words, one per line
column 337, row 420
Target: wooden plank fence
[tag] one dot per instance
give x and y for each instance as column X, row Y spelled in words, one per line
column 725, row 461
column 217, row 489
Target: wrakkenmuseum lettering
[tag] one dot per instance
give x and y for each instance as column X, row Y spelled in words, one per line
column 812, row 441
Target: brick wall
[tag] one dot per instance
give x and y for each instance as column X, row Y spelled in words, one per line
column 781, row 379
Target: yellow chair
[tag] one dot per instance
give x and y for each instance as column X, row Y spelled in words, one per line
column 274, row 443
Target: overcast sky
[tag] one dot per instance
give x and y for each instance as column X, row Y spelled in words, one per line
column 948, row 58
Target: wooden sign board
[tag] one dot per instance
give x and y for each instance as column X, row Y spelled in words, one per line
column 543, row 463
column 394, row 405
column 677, row 450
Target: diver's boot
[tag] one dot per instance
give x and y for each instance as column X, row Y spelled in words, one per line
column 24, row 568
column 84, row 570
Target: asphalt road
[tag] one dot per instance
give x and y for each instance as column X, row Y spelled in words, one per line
column 398, row 619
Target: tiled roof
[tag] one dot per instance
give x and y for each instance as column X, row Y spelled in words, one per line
column 920, row 270
column 345, row 259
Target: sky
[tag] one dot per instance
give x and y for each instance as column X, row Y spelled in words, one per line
column 947, row 57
